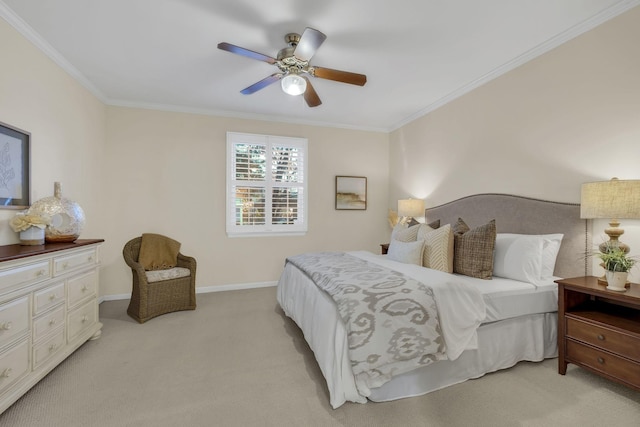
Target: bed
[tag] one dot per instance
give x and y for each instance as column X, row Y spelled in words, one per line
column 485, row 325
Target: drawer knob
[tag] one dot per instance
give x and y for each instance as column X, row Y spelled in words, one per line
column 53, row 347
column 601, row 337
column 85, row 319
column 90, row 258
column 84, row 288
column 6, row 373
column 52, row 322
column 52, row 297
column 65, row 265
column 5, row 326
column 40, row 273
column 600, row 360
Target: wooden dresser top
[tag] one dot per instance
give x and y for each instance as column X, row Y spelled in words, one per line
column 17, row 251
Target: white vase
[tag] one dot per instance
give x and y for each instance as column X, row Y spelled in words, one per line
column 32, row 236
column 616, row 280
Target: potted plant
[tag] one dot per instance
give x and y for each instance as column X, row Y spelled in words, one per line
column 617, row 265
column 30, row 226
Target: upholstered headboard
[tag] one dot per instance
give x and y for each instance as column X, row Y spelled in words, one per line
column 523, row 215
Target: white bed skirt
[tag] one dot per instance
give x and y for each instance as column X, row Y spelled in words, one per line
column 500, row 345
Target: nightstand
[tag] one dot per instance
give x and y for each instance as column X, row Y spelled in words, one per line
column 384, row 248
column 599, row 329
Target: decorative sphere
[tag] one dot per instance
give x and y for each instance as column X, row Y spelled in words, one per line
column 67, row 217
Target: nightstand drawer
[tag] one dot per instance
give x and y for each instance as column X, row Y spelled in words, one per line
column 602, row 361
column 608, row 339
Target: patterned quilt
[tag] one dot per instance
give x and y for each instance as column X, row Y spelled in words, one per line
column 391, row 319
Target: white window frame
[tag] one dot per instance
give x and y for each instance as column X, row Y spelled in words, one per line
column 267, row 229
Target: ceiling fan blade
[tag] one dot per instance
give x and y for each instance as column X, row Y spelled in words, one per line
column 261, row 84
column 245, row 52
column 310, row 96
column 340, row 76
column 309, row 42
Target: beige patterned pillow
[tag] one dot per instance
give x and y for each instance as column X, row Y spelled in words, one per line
column 438, row 248
column 473, row 249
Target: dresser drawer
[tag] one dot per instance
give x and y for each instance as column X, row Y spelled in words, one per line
column 82, row 287
column 602, row 361
column 24, row 274
column 48, row 348
column 14, row 363
column 82, row 319
column 14, row 319
column 621, row 343
column 48, row 297
column 47, row 323
column 68, row 263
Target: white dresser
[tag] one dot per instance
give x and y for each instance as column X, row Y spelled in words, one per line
column 48, row 308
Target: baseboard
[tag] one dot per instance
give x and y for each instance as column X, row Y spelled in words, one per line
column 200, row 290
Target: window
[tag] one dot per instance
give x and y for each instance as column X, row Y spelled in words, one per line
column 266, row 185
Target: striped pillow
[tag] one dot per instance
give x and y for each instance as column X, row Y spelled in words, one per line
column 473, row 249
column 438, row 248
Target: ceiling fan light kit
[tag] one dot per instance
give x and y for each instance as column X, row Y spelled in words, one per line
column 293, row 63
column 293, row 84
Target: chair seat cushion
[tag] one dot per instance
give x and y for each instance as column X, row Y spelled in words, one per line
column 171, row 273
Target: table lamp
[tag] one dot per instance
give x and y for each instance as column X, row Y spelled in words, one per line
column 409, row 209
column 613, row 200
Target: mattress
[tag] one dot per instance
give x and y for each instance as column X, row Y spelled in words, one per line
column 506, row 298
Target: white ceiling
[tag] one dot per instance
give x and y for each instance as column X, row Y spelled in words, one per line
column 417, row 54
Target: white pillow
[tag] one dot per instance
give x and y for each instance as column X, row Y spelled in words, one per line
column 406, row 252
column 550, row 249
column 526, row 257
column 518, row 257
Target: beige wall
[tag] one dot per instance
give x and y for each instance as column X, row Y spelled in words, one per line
column 67, row 125
column 166, row 174
column 570, row 116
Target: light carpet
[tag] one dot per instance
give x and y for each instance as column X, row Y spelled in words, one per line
column 237, row 360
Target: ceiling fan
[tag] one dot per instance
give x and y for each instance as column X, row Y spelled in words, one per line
column 293, row 62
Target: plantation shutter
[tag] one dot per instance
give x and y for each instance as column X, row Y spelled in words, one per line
column 266, row 189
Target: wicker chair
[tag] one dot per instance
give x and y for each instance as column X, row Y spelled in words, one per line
column 149, row 300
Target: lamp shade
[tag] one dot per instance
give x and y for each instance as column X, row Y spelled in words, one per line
column 411, row 207
column 293, row 84
column 615, row 199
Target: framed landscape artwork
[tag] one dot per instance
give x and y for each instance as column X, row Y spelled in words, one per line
column 14, row 167
column 351, row 192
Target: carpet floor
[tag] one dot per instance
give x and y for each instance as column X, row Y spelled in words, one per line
column 237, row 360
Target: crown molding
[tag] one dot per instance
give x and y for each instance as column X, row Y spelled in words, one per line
column 239, row 115
column 30, row 34
column 542, row 48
